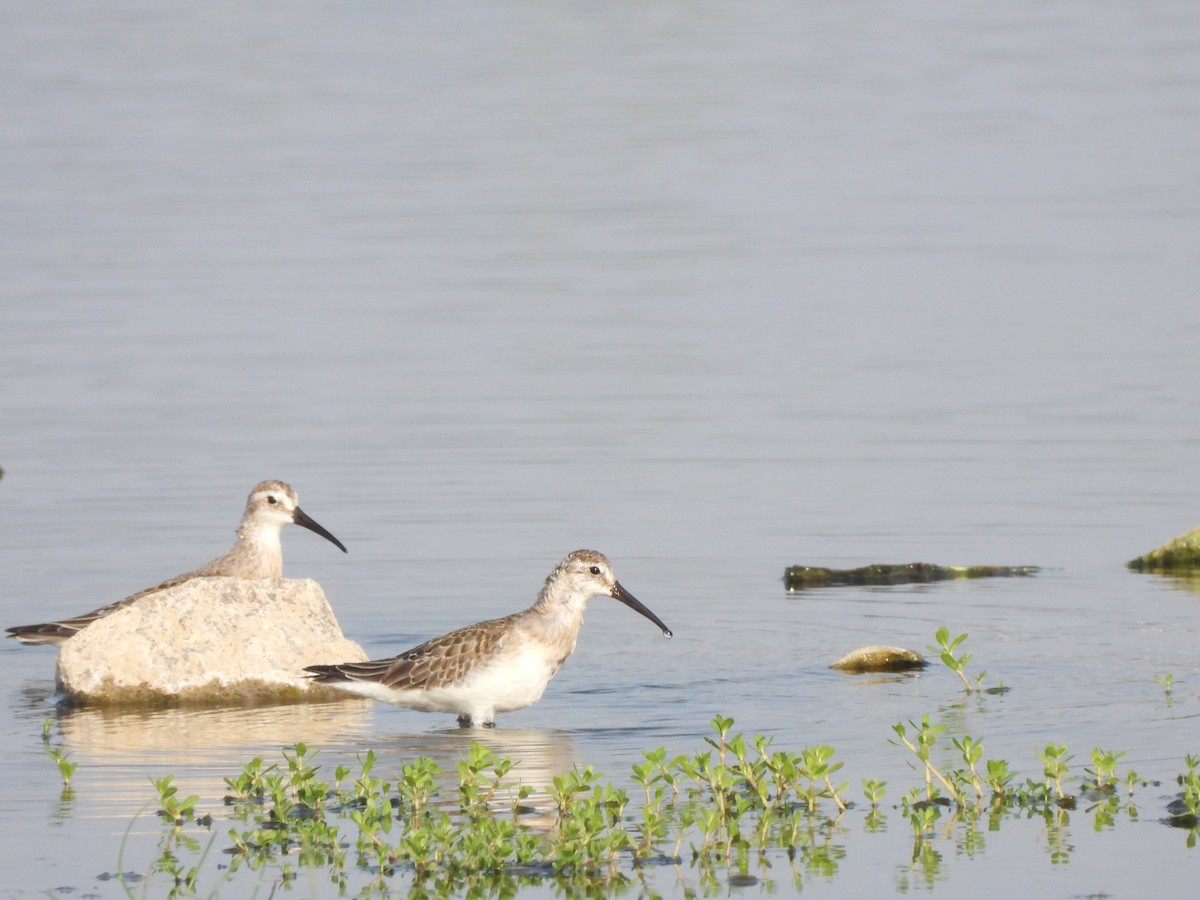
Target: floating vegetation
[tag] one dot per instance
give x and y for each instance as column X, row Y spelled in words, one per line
column 798, row 578
column 1178, row 555
column 721, row 814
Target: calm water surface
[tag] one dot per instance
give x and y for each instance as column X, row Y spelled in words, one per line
column 714, row 290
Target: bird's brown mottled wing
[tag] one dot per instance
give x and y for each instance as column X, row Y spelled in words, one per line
column 57, row 632
column 436, row 663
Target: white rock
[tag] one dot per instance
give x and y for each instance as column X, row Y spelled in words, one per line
column 208, row 640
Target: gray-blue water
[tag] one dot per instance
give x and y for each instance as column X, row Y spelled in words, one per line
column 711, row 288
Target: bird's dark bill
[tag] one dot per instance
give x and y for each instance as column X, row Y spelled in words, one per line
column 312, row 525
column 619, row 593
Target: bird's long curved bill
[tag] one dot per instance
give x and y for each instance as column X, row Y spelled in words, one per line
column 619, row 593
column 312, row 525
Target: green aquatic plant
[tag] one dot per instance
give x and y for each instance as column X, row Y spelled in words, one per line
column 1184, row 810
column 998, row 777
column 972, row 752
column 1131, row 779
column 1054, row 766
column 417, row 783
column 816, row 768
column 728, row 811
column 874, row 791
column 250, row 784
column 921, row 745
column 590, row 833
column 61, row 757
column 171, row 806
column 569, row 786
column 481, row 776
column 783, row 770
column 66, row 768
column 945, row 650
column 184, row 879
column 923, row 817
column 1104, row 769
column 1190, row 781
column 306, row 791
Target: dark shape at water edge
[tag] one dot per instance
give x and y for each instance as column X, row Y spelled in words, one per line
column 798, row 578
column 1180, row 814
column 1181, row 554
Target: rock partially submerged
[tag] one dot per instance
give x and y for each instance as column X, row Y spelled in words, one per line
column 1181, row 554
column 797, row 578
column 209, row 640
column 880, row 658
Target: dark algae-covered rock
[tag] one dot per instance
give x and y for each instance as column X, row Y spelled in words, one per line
column 880, row 658
column 1181, row 554
column 798, row 578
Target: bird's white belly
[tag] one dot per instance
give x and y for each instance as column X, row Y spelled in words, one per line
column 513, row 681
column 503, row 686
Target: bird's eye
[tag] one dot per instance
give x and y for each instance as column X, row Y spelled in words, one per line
column 271, row 499
column 595, row 570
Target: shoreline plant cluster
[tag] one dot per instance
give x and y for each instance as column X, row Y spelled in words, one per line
column 725, row 813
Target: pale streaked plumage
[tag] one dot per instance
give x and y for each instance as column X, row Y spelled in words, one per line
column 256, row 554
column 493, row 666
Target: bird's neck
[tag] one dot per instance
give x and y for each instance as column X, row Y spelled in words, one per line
column 262, row 545
column 558, row 617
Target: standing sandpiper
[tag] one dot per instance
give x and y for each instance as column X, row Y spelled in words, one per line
column 256, row 554
column 493, row 666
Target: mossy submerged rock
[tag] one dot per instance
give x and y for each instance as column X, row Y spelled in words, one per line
column 797, row 578
column 880, row 658
column 209, row 640
column 1180, row 554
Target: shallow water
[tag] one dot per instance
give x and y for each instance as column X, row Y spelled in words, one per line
column 714, row 292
